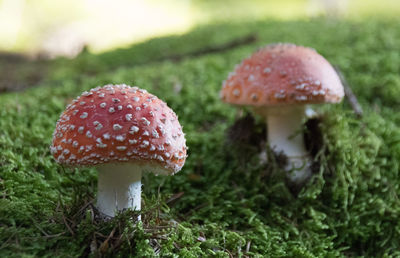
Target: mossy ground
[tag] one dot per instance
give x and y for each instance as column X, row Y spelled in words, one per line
column 224, row 202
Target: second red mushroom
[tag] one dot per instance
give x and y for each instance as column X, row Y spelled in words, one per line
column 277, row 82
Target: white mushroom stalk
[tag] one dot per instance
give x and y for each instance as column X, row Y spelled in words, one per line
column 119, row 188
column 285, row 135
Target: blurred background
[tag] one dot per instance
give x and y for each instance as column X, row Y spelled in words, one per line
column 49, row 28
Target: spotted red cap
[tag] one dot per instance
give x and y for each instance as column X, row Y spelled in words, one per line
column 119, row 123
column 281, row 74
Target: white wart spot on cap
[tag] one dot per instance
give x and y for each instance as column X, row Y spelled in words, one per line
column 101, row 145
column 162, row 130
column 155, row 134
column 145, row 144
column 120, row 138
column 117, row 127
column 98, row 125
column 121, row 148
column 318, row 92
column 301, row 86
column 84, row 115
column 128, row 117
column 145, row 121
column 301, row 98
column 134, row 129
column 236, row 92
column 267, row 70
column 87, row 94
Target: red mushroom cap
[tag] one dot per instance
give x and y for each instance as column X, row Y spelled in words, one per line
column 281, row 74
column 119, row 123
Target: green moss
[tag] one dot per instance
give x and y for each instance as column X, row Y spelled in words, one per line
column 224, row 202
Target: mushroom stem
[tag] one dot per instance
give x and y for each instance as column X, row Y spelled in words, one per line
column 285, row 135
column 118, row 187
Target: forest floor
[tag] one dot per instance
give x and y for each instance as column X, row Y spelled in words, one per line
column 226, row 202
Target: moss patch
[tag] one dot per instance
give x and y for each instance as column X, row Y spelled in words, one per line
column 225, row 201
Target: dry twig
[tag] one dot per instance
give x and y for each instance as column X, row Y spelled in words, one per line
column 349, row 94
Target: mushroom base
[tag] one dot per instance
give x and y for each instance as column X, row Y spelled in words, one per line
column 119, row 188
column 285, row 135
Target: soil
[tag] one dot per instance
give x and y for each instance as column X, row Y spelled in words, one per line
column 18, row 72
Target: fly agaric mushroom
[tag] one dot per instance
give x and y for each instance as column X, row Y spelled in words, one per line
column 278, row 81
column 123, row 131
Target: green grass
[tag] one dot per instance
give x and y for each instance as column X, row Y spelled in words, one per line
column 224, row 201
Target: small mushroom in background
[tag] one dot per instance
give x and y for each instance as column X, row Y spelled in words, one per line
column 278, row 82
column 122, row 131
